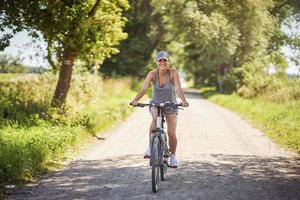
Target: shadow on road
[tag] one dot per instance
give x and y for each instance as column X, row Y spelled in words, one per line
column 212, row 177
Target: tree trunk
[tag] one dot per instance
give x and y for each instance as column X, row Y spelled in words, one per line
column 198, row 78
column 220, row 83
column 221, row 71
column 64, row 79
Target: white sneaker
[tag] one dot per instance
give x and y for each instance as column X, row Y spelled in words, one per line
column 173, row 161
column 147, row 153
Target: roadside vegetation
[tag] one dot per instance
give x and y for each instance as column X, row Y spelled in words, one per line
column 233, row 46
column 35, row 137
column 276, row 111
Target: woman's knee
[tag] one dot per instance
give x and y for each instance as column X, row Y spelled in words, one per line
column 171, row 120
column 172, row 129
column 153, row 122
column 172, row 134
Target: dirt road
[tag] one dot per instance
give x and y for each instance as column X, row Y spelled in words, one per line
column 220, row 157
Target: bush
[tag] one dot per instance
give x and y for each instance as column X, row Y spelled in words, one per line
column 246, row 92
column 25, row 99
column 283, row 90
column 33, row 134
column 259, row 81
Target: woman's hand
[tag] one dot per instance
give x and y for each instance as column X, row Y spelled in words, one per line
column 134, row 102
column 185, row 104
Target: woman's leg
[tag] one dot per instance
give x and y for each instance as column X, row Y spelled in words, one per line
column 153, row 112
column 171, row 119
column 153, row 123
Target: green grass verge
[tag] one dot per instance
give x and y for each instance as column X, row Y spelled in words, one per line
column 32, row 142
column 281, row 122
column 28, row 151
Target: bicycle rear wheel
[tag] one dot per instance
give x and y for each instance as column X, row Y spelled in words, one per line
column 155, row 163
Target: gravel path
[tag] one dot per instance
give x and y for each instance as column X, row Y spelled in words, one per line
column 220, row 157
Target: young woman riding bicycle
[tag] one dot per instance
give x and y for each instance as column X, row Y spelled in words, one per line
column 166, row 82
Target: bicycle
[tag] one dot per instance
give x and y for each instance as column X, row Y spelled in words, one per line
column 159, row 145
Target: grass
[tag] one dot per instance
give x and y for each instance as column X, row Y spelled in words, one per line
column 6, row 77
column 279, row 121
column 34, row 137
column 25, row 152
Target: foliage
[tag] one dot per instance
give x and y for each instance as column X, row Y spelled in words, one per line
column 28, row 151
column 219, row 36
column 284, row 12
column 34, row 136
column 91, row 28
column 86, row 30
column 231, row 44
column 269, row 80
column 10, row 64
column 23, row 100
column 146, row 32
column 256, row 76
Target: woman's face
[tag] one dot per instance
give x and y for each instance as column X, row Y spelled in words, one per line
column 163, row 63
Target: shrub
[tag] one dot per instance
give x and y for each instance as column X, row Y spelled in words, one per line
column 33, row 134
column 259, row 81
column 246, row 92
column 25, row 99
column 283, row 90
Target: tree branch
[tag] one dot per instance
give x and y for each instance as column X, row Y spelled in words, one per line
column 279, row 6
column 49, row 56
column 94, row 9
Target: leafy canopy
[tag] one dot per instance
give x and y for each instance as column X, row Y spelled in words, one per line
column 90, row 28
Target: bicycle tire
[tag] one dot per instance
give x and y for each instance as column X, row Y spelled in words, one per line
column 163, row 173
column 165, row 152
column 155, row 162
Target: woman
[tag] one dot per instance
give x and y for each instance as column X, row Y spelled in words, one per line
column 165, row 81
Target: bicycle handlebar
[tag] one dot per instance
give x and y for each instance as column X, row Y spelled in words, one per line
column 166, row 104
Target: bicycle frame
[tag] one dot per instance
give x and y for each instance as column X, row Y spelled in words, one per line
column 159, row 131
column 159, row 145
column 160, row 119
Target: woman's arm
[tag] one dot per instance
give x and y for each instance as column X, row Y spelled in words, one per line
column 178, row 88
column 144, row 88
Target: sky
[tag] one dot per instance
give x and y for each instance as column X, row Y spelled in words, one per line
column 33, row 53
column 292, row 29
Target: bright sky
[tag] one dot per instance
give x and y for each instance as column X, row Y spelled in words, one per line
column 292, row 29
column 33, row 53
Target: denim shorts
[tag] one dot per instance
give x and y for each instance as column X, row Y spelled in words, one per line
column 166, row 110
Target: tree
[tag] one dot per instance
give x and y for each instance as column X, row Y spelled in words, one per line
column 10, row 64
column 286, row 12
column 146, row 31
column 73, row 29
column 220, row 35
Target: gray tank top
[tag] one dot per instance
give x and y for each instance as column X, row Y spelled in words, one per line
column 164, row 93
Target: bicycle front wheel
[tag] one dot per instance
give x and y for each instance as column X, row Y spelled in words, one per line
column 164, row 164
column 163, row 173
column 155, row 163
